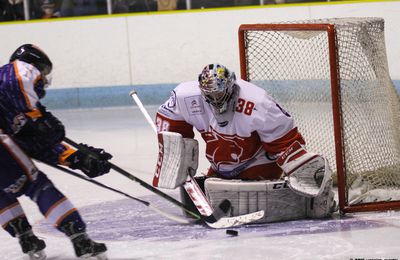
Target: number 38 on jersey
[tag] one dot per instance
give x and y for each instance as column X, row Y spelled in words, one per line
column 244, row 106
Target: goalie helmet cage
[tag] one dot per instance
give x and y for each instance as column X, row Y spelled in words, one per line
column 332, row 76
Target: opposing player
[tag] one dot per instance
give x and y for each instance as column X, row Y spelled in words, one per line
column 28, row 130
column 248, row 137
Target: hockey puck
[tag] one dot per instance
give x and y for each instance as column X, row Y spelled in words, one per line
column 232, row 232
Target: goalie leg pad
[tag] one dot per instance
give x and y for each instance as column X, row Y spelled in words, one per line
column 274, row 197
column 277, row 200
column 177, row 158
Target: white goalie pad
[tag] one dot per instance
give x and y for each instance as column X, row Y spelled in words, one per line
column 177, row 157
column 307, row 172
column 277, row 200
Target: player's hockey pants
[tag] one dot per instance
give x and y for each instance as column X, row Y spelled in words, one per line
column 19, row 176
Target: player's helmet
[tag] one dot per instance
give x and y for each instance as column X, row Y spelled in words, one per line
column 217, row 85
column 31, row 54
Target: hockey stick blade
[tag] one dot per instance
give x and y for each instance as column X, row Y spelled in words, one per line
column 218, row 213
column 227, row 222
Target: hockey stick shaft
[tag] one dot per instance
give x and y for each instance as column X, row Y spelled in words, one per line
column 133, row 178
column 133, row 94
column 97, row 183
column 146, row 203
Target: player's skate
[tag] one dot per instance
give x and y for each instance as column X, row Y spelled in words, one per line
column 86, row 247
column 33, row 246
column 30, row 244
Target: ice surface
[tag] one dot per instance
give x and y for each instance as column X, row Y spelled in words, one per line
column 133, row 231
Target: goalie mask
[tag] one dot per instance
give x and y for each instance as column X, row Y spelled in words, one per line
column 33, row 55
column 217, row 85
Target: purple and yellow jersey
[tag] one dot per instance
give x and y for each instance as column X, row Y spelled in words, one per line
column 19, row 101
column 17, row 94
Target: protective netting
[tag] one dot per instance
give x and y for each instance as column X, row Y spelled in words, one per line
column 293, row 66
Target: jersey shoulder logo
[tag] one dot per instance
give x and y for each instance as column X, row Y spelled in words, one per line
column 194, row 105
column 171, row 103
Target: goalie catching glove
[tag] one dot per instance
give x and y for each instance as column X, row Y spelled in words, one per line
column 307, row 172
column 93, row 163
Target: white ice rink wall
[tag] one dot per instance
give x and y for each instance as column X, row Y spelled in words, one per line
column 98, row 59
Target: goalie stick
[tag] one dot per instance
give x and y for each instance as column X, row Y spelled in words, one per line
column 197, row 196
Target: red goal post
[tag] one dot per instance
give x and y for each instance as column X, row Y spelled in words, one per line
column 332, row 76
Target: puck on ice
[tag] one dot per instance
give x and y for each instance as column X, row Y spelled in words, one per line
column 232, row 232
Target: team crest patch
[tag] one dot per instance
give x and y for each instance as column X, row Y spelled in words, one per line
column 172, row 100
column 194, row 105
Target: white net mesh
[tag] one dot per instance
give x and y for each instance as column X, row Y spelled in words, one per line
column 293, row 66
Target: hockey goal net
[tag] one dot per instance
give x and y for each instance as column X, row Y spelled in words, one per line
column 332, row 76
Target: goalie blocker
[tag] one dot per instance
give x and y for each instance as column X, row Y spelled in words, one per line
column 176, row 165
column 177, row 158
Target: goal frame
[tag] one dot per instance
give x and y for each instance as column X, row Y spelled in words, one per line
column 344, row 206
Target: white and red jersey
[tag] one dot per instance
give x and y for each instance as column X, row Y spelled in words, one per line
column 244, row 148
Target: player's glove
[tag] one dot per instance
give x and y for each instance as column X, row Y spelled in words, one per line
column 93, row 163
column 38, row 136
column 49, row 125
column 46, row 128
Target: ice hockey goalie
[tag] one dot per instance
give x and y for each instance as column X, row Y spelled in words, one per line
column 258, row 158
